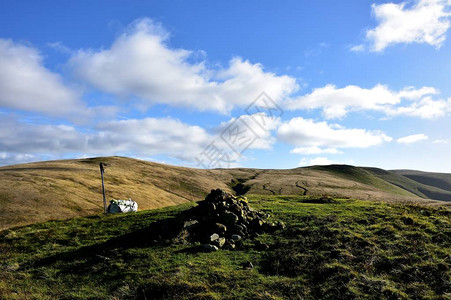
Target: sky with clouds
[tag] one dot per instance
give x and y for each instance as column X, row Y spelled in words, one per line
column 265, row 84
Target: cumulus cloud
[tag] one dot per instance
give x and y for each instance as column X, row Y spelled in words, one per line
column 141, row 64
column 308, row 133
column 317, row 161
column 7, row 158
column 314, row 150
column 442, row 141
column 144, row 137
column 337, row 102
column 414, row 138
column 426, row 108
column 426, row 21
column 25, row 84
column 151, row 136
column 357, row 48
column 254, row 130
column 134, row 137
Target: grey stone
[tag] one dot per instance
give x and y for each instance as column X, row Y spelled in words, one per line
column 221, row 228
column 211, row 207
column 239, row 228
column 225, row 221
column 280, row 225
column 247, row 265
column 209, row 247
column 229, row 245
column 236, row 209
column 236, row 237
column 257, row 223
column 214, row 237
column 230, row 218
column 219, row 242
column 190, row 223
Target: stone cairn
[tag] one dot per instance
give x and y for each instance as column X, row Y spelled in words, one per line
column 223, row 221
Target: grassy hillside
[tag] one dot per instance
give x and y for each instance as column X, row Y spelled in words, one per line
column 42, row 191
column 324, row 180
column 37, row 192
column 432, row 185
column 339, row 249
column 363, row 176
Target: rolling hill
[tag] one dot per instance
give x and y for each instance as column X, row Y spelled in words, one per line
column 42, row 191
column 432, row 185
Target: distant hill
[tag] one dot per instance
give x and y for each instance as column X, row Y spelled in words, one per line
column 42, row 191
column 432, row 185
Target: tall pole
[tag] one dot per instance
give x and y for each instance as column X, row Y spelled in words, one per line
column 102, row 169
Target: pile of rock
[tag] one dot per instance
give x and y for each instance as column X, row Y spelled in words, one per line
column 223, row 221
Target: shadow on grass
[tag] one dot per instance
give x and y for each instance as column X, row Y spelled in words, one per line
column 159, row 233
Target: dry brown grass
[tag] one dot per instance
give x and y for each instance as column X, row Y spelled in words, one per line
column 316, row 182
column 37, row 192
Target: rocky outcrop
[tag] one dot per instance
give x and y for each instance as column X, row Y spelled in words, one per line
column 224, row 221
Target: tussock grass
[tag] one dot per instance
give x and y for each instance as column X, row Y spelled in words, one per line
column 331, row 249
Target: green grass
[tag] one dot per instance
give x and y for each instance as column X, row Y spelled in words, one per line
column 423, row 184
column 438, row 180
column 339, row 249
column 367, row 176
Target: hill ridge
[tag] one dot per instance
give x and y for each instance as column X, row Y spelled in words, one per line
column 61, row 189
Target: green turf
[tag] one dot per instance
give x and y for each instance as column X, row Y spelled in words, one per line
column 368, row 176
column 426, row 185
column 331, row 249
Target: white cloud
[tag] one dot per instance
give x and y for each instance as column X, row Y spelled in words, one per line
column 7, row 158
column 307, row 133
column 357, row 48
column 314, row 150
column 411, row 93
column 140, row 63
column 317, row 161
column 442, row 141
column 414, row 138
column 426, row 21
column 60, row 47
column 25, row 84
column 257, row 128
column 134, row 137
column 150, row 136
column 426, row 108
column 144, row 137
column 337, row 102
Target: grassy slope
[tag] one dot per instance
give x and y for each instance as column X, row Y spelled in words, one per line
column 362, row 175
column 320, row 181
column 42, row 191
column 339, row 250
column 432, row 185
column 37, row 192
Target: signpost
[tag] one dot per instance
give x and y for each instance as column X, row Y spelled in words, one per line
column 102, row 170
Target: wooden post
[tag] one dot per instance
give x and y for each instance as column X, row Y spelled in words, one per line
column 102, row 170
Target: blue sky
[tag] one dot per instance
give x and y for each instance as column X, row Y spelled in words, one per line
column 356, row 82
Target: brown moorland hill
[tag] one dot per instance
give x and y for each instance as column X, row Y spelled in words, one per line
column 42, row 191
